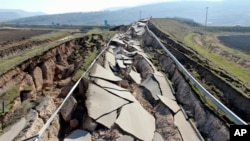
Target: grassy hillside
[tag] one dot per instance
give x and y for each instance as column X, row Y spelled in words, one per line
column 207, row 46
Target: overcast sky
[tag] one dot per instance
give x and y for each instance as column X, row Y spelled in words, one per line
column 63, row 6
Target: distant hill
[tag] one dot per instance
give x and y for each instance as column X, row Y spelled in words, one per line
column 10, row 14
column 227, row 12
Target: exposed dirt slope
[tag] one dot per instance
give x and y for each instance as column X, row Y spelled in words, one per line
column 43, row 81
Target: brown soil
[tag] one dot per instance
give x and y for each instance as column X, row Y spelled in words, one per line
column 14, row 41
column 56, row 67
column 13, row 35
column 240, row 42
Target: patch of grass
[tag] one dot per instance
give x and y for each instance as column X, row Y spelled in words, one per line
column 6, row 64
column 9, row 97
column 217, row 62
column 213, row 41
column 94, row 31
column 77, row 75
column 211, row 106
column 106, row 34
column 172, row 27
column 88, row 60
column 195, row 73
column 52, row 36
column 217, row 43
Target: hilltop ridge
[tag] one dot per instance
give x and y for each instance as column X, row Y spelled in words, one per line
column 225, row 13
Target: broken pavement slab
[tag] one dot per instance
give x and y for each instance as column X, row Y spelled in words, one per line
column 138, row 48
column 148, row 60
column 110, row 49
column 118, row 41
column 157, row 137
column 123, row 94
column 107, row 65
column 110, row 58
column 122, row 57
column 171, row 104
column 121, row 64
column 141, row 24
column 164, row 86
column 186, row 130
column 152, row 86
column 135, row 76
column 100, row 102
column 103, row 73
column 128, row 62
column 135, row 120
column 115, row 89
column 138, row 30
column 158, row 73
column 78, row 135
column 108, row 120
column 106, row 84
column 14, row 130
column 127, row 53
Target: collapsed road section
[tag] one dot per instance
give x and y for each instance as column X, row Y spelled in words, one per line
column 127, row 98
column 124, row 96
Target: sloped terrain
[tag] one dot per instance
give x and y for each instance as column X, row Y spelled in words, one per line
column 231, row 90
column 132, row 91
column 125, row 96
column 36, row 87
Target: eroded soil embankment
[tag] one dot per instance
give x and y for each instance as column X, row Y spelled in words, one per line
column 42, row 82
column 8, row 51
column 209, row 77
column 208, row 124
